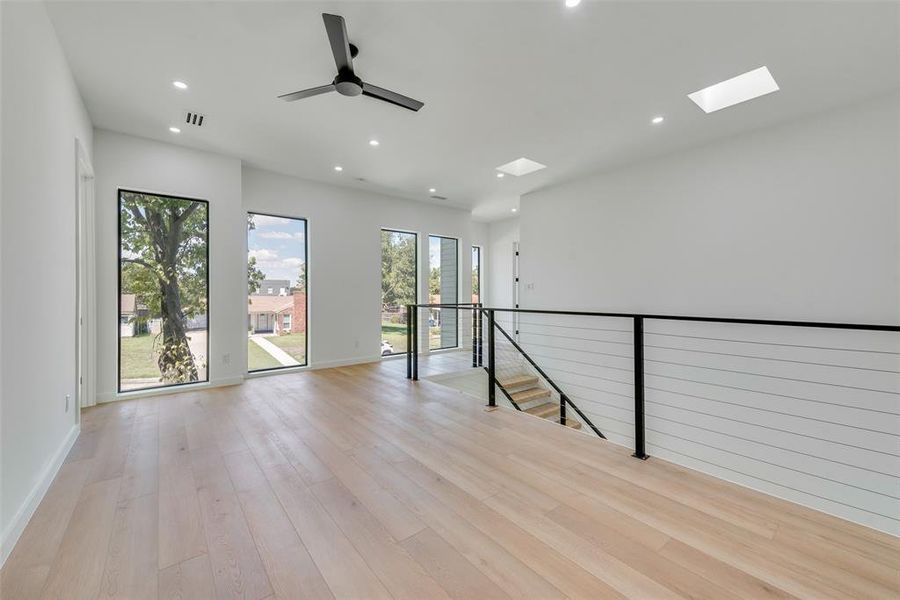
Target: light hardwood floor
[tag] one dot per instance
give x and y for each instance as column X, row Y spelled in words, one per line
column 355, row 483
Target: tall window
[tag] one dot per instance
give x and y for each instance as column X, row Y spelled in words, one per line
column 443, row 288
column 399, row 286
column 276, row 284
column 476, row 274
column 163, row 290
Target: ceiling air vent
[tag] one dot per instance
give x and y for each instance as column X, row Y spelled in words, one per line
column 436, row 197
column 193, row 118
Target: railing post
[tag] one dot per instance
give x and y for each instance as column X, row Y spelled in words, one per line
column 415, row 343
column 562, row 409
column 409, row 341
column 639, row 451
column 474, row 337
column 492, row 371
column 480, row 315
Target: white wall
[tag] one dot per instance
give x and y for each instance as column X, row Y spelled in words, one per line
column 42, row 115
column 123, row 161
column 345, row 255
column 794, row 222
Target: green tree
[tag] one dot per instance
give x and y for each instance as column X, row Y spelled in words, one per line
column 301, row 279
column 398, row 268
column 434, row 282
column 164, row 262
column 254, row 275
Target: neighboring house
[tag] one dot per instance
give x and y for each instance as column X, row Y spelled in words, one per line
column 132, row 316
column 277, row 314
column 274, row 287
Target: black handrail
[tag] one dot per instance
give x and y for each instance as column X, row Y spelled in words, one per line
column 777, row 322
column 564, row 399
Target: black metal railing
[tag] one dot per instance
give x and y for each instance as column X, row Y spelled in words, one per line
column 479, row 313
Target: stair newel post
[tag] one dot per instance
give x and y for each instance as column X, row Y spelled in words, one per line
column 415, row 343
column 492, row 372
column 409, row 311
column 639, row 450
column 562, row 409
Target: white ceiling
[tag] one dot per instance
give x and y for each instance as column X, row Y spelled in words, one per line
column 574, row 89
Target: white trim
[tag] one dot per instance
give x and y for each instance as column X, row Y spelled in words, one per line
column 86, row 282
column 26, row 511
column 167, row 391
column 344, row 362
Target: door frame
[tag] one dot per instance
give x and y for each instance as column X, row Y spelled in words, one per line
column 85, row 310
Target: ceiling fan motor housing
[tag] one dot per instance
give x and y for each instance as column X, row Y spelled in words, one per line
column 348, row 84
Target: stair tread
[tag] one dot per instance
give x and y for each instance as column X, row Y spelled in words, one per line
column 570, row 422
column 544, row 410
column 518, row 381
column 530, row 394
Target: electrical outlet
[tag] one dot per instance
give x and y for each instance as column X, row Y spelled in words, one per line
column 67, row 402
column 226, row 359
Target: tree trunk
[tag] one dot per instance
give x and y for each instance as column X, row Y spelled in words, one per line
column 176, row 363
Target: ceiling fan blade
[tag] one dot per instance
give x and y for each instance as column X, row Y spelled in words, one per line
column 322, row 89
column 373, row 91
column 340, row 43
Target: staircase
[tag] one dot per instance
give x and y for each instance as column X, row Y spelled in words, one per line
column 526, row 391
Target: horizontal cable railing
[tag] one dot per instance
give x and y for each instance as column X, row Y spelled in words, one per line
column 807, row 411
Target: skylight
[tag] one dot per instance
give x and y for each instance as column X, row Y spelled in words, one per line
column 748, row 86
column 521, row 166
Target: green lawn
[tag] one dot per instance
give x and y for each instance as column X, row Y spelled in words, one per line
column 138, row 361
column 395, row 333
column 257, row 358
column 292, row 343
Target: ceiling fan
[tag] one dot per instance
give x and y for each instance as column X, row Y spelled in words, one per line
column 346, row 82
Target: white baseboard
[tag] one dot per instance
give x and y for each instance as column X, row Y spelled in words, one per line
column 116, row 396
column 26, row 511
column 344, row 362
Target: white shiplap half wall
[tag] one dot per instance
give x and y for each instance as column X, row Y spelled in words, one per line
column 809, row 415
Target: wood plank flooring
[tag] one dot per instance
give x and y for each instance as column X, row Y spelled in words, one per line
column 356, row 483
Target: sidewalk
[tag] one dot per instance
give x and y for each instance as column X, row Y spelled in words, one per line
column 277, row 353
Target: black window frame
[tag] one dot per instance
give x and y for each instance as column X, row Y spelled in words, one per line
column 306, row 291
column 443, row 301
column 209, row 361
column 416, row 245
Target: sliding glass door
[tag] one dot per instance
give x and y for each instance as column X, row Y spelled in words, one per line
column 443, row 288
column 163, row 290
column 277, row 292
column 399, row 285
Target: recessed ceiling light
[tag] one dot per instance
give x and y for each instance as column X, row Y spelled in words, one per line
column 521, row 166
column 572, row 3
column 431, row 190
column 501, row 175
column 747, row 86
column 180, row 85
column 657, row 120
column 339, row 168
column 515, row 210
column 174, row 130
column 374, row 142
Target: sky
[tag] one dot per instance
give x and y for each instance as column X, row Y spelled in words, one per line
column 279, row 246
